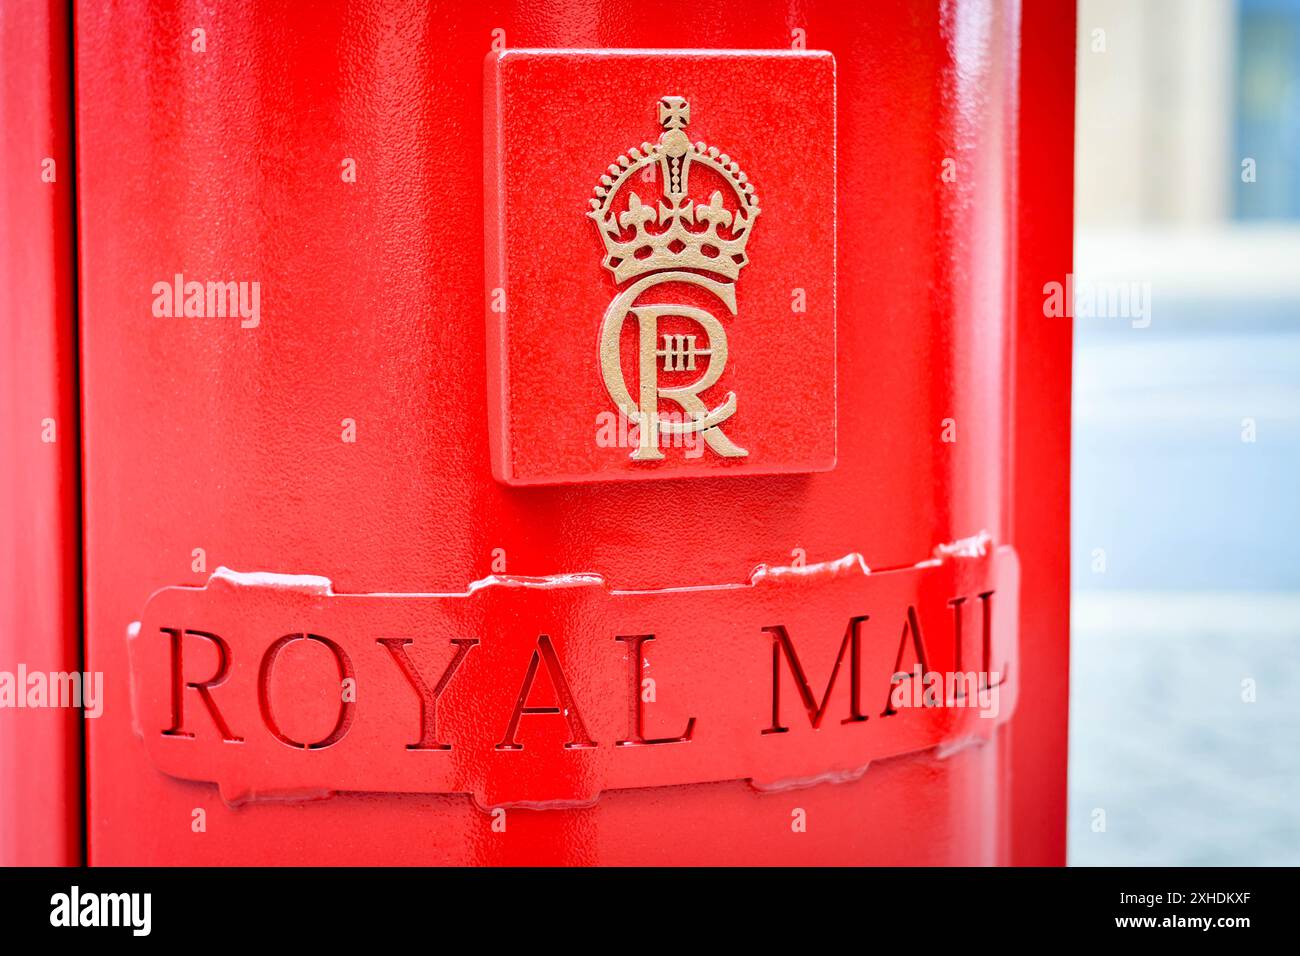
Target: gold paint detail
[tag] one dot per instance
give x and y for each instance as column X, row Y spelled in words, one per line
column 685, row 237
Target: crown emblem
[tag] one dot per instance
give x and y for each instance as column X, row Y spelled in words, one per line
column 673, row 232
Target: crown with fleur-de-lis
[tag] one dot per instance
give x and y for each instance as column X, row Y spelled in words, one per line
column 675, row 232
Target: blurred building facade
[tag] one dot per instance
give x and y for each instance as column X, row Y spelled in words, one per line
column 1186, row 590
column 1189, row 111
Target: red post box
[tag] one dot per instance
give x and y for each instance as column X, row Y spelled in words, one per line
column 625, row 434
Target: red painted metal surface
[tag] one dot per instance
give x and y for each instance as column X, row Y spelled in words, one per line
column 275, row 687
column 40, row 632
column 230, row 436
column 1039, row 489
column 771, row 300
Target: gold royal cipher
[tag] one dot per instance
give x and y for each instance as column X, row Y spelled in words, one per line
column 685, row 243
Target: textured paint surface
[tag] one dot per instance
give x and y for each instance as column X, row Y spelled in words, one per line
column 239, row 682
column 773, row 114
column 40, row 750
column 225, row 165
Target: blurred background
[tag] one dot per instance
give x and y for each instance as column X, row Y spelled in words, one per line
column 1185, row 709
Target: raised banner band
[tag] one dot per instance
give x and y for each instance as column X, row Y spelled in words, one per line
column 548, row 691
